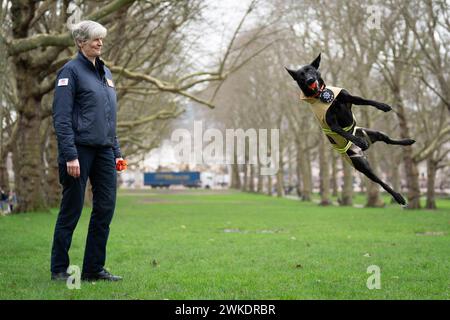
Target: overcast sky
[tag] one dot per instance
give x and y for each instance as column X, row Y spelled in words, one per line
column 213, row 36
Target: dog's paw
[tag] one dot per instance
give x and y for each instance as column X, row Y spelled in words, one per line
column 384, row 107
column 399, row 198
column 362, row 144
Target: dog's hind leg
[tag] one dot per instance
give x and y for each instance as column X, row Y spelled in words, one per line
column 362, row 165
column 375, row 136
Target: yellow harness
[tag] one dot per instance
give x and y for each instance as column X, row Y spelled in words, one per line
column 320, row 108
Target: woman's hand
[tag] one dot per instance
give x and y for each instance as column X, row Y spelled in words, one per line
column 73, row 168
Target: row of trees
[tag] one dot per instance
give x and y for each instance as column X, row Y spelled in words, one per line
column 396, row 52
column 403, row 61
column 147, row 48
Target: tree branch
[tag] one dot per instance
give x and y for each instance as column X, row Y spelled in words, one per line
column 161, row 85
column 17, row 46
column 431, row 147
column 160, row 115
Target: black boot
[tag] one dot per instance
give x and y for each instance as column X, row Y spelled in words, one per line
column 60, row 276
column 102, row 275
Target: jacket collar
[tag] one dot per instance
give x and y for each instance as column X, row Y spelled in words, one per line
column 99, row 64
column 98, row 61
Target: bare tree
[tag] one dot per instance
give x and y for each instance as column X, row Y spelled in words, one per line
column 37, row 48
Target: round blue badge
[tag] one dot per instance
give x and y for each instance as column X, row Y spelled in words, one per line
column 326, row 96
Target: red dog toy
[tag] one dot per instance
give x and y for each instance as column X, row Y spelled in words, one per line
column 121, row 165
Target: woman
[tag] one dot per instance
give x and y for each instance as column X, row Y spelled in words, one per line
column 84, row 117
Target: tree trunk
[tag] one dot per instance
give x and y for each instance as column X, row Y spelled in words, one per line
column 298, row 171
column 244, row 186
column 269, row 185
column 307, row 177
column 28, row 169
column 280, row 175
column 4, row 179
column 412, row 174
column 373, row 195
column 324, row 174
column 373, row 191
column 235, row 177
column 260, row 185
column 251, row 184
column 334, row 183
column 53, row 186
column 280, row 183
column 395, row 176
column 347, row 189
column 290, row 168
column 431, row 178
column 27, row 150
column 362, row 186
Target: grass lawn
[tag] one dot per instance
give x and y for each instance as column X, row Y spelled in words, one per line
column 206, row 245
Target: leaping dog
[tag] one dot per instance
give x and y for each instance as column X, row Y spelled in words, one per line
column 332, row 107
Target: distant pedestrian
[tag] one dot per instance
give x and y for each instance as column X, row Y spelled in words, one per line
column 12, row 200
column 3, row 200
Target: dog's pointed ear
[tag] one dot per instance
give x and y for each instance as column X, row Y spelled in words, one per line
column 316, row 62
column 292, row 73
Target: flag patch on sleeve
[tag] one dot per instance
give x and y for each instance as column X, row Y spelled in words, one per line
column 63, row 82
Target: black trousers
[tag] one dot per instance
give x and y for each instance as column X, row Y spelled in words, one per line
column 97, row 164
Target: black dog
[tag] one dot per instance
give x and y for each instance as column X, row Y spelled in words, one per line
column 333, row 108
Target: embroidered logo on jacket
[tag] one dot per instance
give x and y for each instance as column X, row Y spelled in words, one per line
column 63, row 82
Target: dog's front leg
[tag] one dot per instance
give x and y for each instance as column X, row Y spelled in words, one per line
column 334, row 126
column 346, row 97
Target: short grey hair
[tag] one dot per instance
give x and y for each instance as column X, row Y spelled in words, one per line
column 87, row 30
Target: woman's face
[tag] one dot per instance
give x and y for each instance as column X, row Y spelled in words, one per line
column 92, row 48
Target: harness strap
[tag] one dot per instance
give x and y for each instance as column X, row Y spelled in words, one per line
column 351, row 128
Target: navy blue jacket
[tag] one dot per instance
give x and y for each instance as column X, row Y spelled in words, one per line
column 85, row 107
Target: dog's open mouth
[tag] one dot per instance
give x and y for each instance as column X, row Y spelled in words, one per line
column 314, row 86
